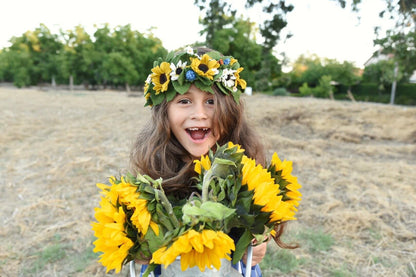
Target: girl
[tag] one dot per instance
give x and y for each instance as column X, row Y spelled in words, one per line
column 195, row 105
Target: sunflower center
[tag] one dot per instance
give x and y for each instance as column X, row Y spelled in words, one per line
column 162, row 78
column 203, row 67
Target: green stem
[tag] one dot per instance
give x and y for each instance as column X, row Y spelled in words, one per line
column 168, row 207
column 205, row 183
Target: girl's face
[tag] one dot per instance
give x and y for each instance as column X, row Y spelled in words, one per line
column 190, row 118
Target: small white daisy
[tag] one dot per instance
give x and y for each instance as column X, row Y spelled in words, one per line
column 228, row 78
column 176, row 70
column 189, row 50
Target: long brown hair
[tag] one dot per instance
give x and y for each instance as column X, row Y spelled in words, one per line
column 158, row 153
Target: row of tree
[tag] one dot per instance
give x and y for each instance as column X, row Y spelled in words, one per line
column 122, row 56
column 111, row 58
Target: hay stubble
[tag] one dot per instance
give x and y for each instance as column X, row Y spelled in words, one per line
column 355, row 161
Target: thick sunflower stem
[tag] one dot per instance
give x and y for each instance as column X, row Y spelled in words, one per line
column 168, row 207
column 205, row 183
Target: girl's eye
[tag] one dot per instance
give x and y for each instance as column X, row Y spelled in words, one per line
column 184, row 101
column 210, row 101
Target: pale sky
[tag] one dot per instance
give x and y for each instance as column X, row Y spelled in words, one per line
column 318, row 26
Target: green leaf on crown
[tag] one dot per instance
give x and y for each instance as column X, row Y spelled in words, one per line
column 204, row 87
column 181, row 88
column 157, row 98
column 215, row 55
column 170, row 94
column 222, row 88
column 236, row 95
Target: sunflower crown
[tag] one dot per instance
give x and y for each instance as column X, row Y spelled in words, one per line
column 177, row 72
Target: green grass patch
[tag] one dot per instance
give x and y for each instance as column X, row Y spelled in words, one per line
column 279, row 261
column 341, row 272
column 315, row 240
column 80, row 261
column 50, row 254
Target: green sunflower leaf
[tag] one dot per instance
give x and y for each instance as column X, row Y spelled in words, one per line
column 157, row 99
column 242, row 245
column 170, row 55
column 215, row 55
column 155, row 242
column 236, row 95
column 222, row 88
column 170, row 95
column 203, row 87
column 181, row 88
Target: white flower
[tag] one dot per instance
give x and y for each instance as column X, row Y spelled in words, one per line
column 189, row 50
column 228, row 78
column 176, row 70
column 149, row 79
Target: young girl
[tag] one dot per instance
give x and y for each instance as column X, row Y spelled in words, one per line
column 191, row 113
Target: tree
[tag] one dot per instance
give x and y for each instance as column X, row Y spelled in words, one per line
column 218, row 14
column 43, row 48
column 311, row 71
column 237, row 40
column 72, row 64
column 118, row 69
column 381, row 73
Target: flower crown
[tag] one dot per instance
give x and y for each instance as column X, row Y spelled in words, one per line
column 177, row 72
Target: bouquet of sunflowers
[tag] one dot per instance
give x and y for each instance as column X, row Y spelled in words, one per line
column 137, row 220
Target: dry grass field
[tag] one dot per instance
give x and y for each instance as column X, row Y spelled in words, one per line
column 355, row 161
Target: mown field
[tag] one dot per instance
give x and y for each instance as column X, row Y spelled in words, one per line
column 355, row 161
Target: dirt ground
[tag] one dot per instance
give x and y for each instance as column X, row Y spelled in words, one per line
column 355, row 161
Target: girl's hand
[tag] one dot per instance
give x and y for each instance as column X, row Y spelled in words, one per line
column 258, row 253
column 137, row 261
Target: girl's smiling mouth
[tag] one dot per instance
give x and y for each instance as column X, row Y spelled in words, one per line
column 198, row 133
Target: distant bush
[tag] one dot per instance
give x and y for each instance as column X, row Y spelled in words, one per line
column 280, row 92
column 372, row 92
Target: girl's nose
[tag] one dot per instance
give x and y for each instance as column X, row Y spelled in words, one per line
column 199, row 112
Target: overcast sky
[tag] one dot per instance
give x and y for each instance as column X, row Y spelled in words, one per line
column 318, row 26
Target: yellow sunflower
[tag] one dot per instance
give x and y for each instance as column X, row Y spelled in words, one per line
column 111, row 238
column 292, row 187
column 204, row 163
column 266, row 192
column 142, row 219
column 126, row 194
column 202, row 249
column 239, row 81
column 205, row 66
column 161, row 77
column 239, row 149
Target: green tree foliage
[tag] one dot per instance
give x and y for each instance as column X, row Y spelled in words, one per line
column 111, row 57
column 324, row 89
column 118, row 69
column 237, row 40
column 401, row 39
column 381, row 73
column 42, row 47
column 311, row 72
column 220, row 13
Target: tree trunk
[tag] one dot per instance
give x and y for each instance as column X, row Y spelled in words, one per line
column 71, row 82
column 393, row 85
column 349, row 94
column 331, row 95
column 127, row 87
